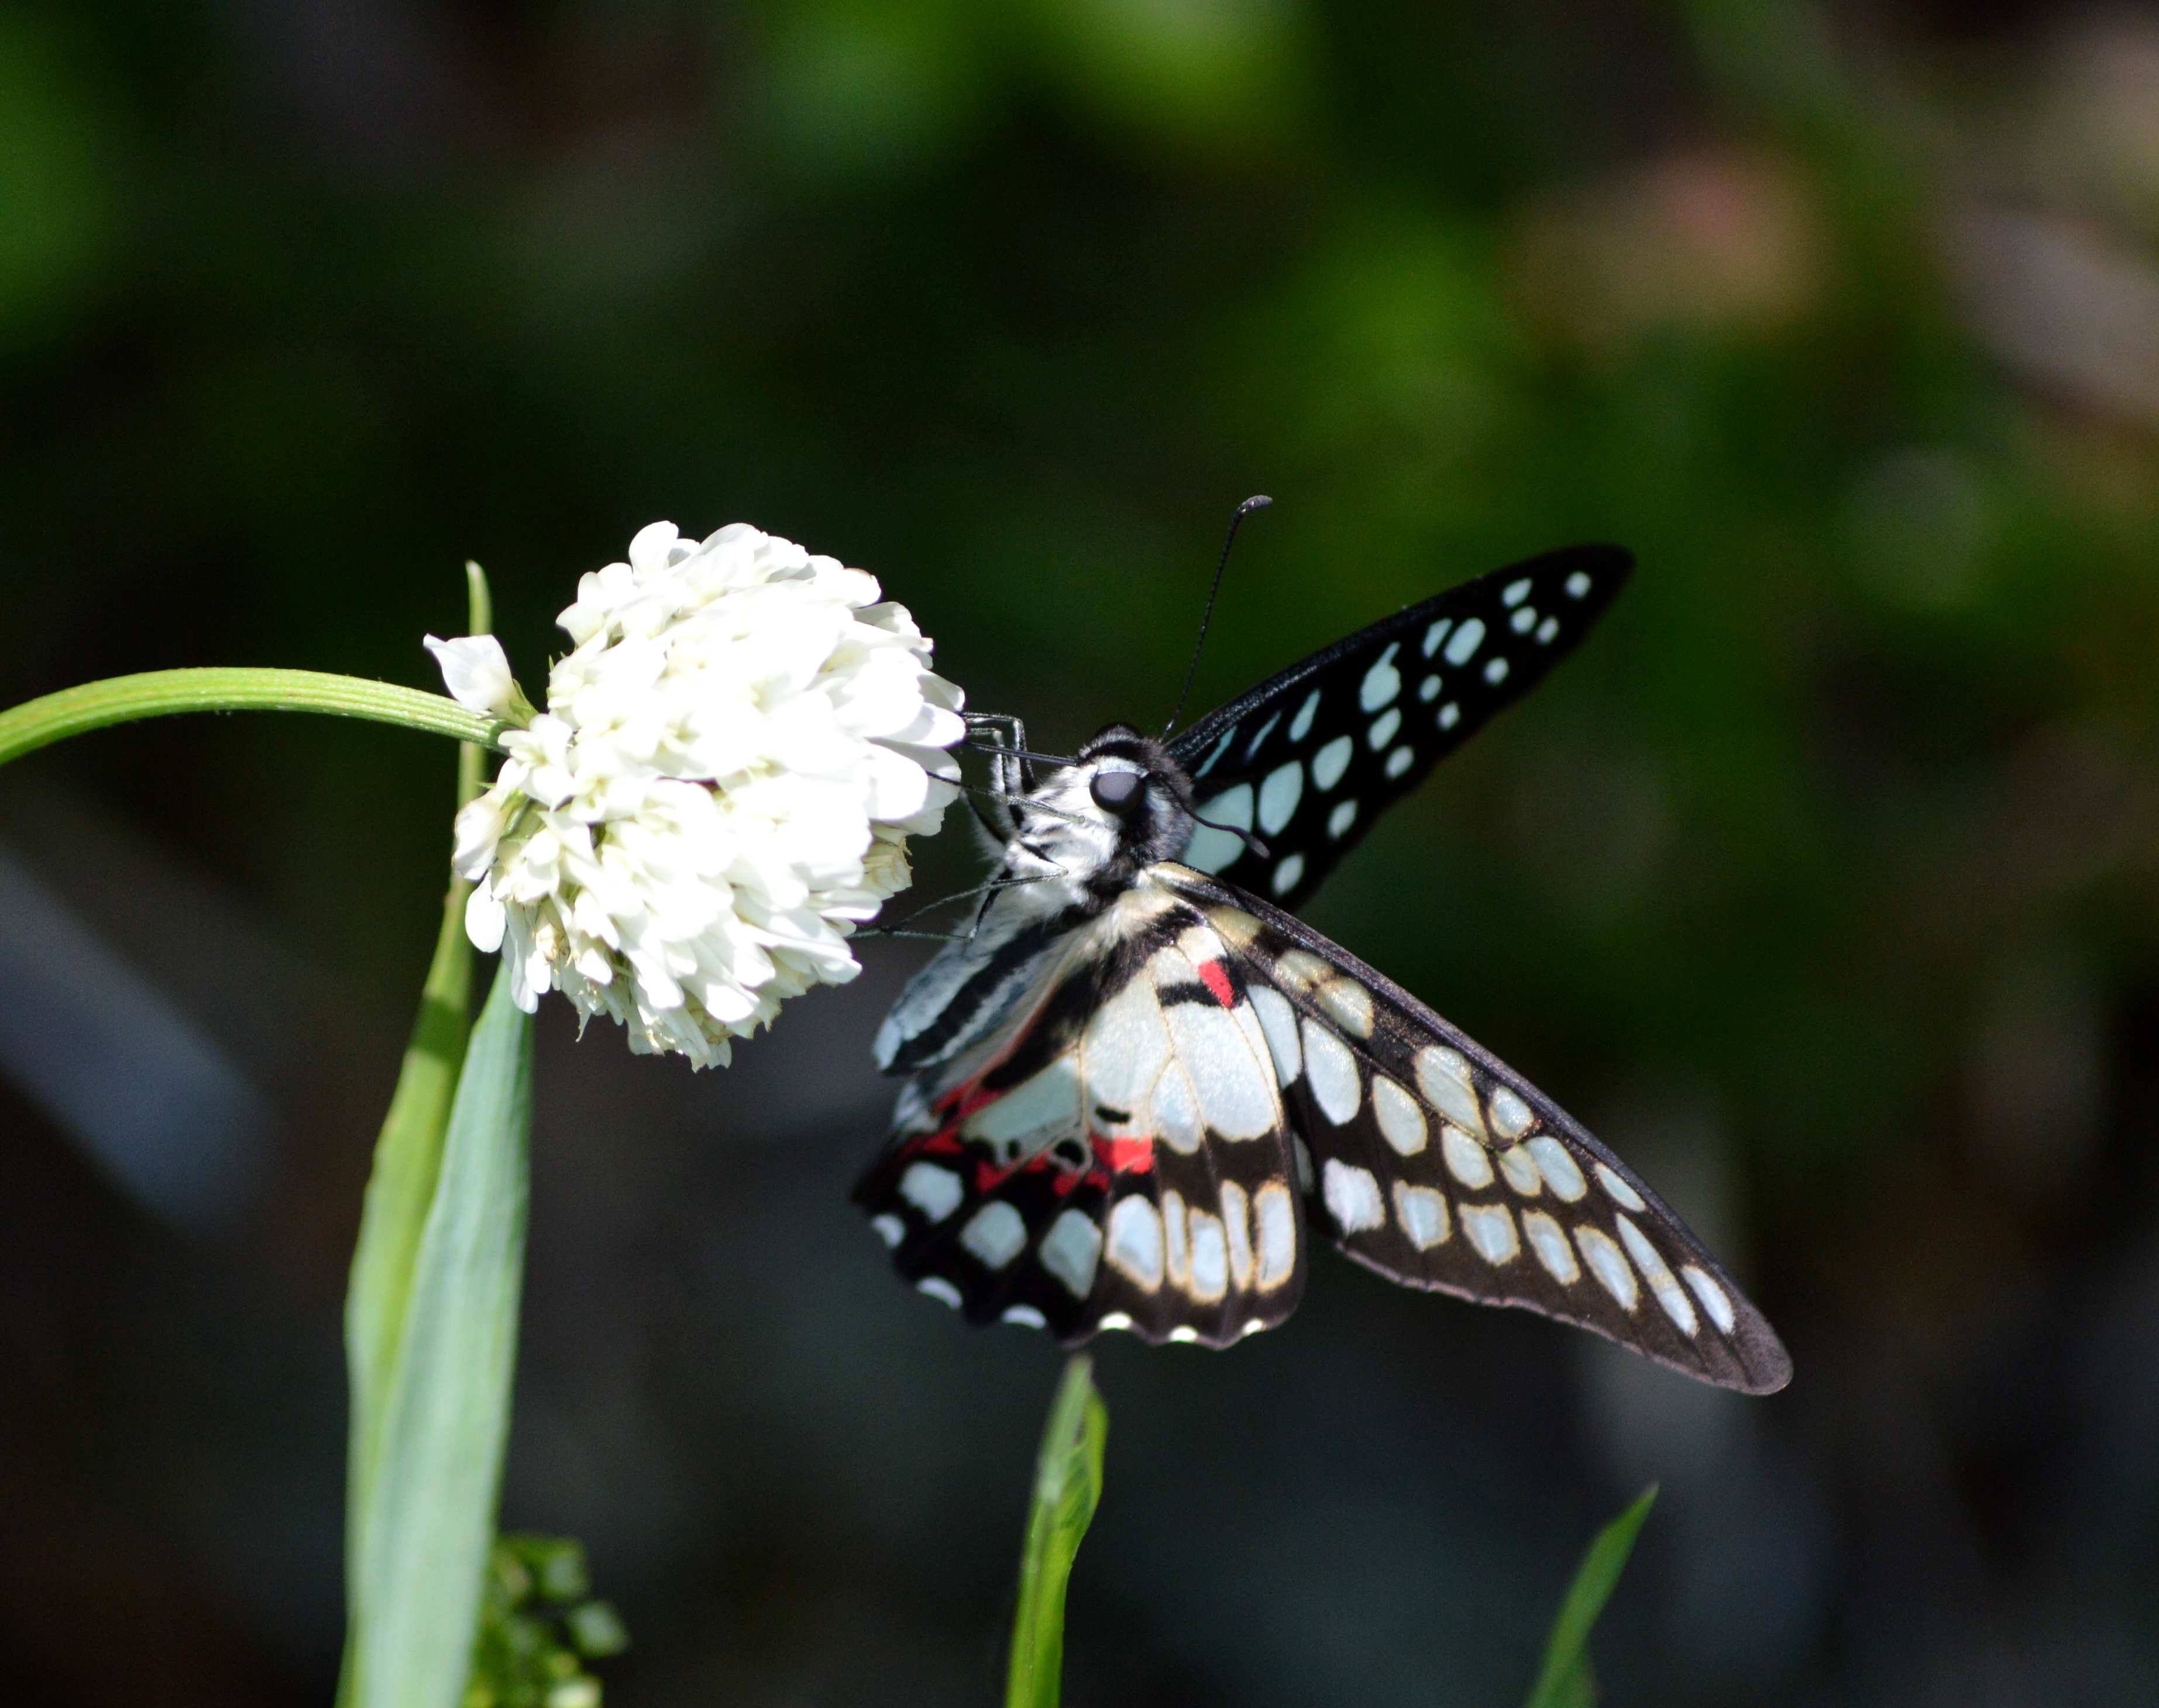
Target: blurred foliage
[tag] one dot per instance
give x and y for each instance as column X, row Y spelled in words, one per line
column 539, row 1627
column 1067, row 1486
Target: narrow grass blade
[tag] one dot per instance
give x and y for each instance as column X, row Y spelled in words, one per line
column 1565, row 1681
column 1068, row 1483
column 401, row 1186
column 401, row 1183
column 438, row 1465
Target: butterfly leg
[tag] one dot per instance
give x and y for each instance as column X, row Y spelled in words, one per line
column 1010, row 774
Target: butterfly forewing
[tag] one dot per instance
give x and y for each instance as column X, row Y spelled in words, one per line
column 1308, row 760
column 1117, row 1158
column 1440, row 1167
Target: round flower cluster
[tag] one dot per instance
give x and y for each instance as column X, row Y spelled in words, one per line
column 733, row 757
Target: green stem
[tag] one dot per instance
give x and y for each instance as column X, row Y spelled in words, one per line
column 36, row 723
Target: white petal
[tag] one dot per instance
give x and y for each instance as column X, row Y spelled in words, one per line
column 485, row 918
column 476, row 671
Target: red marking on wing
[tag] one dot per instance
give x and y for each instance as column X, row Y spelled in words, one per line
column 1216, row 978
column 1125, row 1156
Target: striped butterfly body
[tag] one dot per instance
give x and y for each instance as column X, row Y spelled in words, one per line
column 1139, row 1086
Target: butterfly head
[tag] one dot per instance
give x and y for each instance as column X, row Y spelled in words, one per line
column 1122, row 803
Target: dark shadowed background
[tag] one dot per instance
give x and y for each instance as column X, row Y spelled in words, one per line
column 1824, row 883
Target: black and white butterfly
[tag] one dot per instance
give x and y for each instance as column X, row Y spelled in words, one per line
column 1141, row 1084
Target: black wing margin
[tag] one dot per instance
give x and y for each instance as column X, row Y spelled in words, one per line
column 1310, row 758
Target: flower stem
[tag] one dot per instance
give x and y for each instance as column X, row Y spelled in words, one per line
column 39, row 722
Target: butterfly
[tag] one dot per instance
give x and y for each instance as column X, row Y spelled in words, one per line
column 1140, row 1086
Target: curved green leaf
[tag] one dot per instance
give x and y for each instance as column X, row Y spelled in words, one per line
column 427, row 1518
column 1565, row 1681
column 1068, row 1484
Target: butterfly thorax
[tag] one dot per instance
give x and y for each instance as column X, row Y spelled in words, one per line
column 1081, row 838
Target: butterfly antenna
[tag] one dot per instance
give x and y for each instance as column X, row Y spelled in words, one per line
column 1258, row 501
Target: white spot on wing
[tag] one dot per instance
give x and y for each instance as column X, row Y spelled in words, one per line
column 1609, row 1265
column 1496, row 671
column 1467, row 1161
column 1401, row 1118
column 1278, row 1022
column 1174, row 1109
column 1577, row 585
column 1040, row 1107
column 1383, row 728
column 1227, row 1068
column 1210, row 1257
column 1382, row 682
column 1177, row 1253
column 1353, row 1196
column 1422, row 1213
column 1400, row 761
column 1266, row 730
column 1332, row 1071
column 1210, row 850
column 1449, row 715
column 1235, row 927
column 1301, row 726
column 1347, row 1003
column 1511, row 1115
column 1517, row 591
column 1650, row 1261
column 1279, row 795
column 1428, row 690
column 1237, row 1228
column 996, row 1233
column 935, row 1191
column 1466, row 640
column 1443, row 1077
column 1521, row 1169
column 1558, row 1167
column 1221, row 747
column 1714, row 1299
column 1115, row 1319
column 1523, row 621
column 1135, row 1247
column 1026, row 1317
column 1339, row 820
column 1301, row 969
column 1435, row 634
column 1330, row 762
column 890, row 1228
column 1546, row 629
column 1621, row 1194
column 1289, row 874
column 939, row 1289
column 1275, row 1211
column 1125, row 1048
column 1490, row 1228
column 1069, row 1251
column 1548, row 1239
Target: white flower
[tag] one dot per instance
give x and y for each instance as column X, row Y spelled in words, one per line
column 731, row 759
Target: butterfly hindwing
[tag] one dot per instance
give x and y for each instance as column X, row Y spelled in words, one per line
column 1117, row 1158
column 1440, row 1167
column 1309, row 759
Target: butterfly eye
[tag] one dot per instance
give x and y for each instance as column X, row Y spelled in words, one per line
column 1117, row 791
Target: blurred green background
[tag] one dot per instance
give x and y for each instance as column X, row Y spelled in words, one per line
column 1822, row 884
